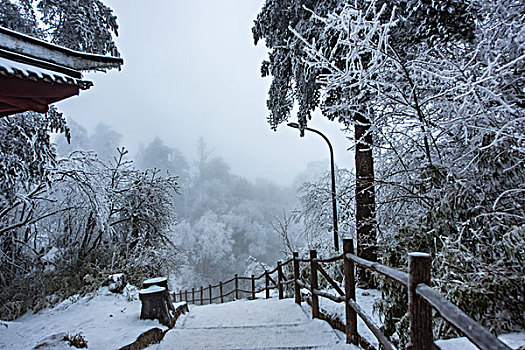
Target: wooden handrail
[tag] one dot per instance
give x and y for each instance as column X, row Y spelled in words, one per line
column 244, row 278
column 302, row 284
column 286, row 262
column 228, row 281
column 297, row 292
column 260, row 290
column 371, row 325
column 475, row 332
column 331, row 259
column 420, row 295
column 350, row 315
column 271, row 280
column 396, row 275
column 280, row 279
column 330, row 280
column 245, row 291
column 314, row 284
column 334, row 298
column 273, row 271
column 229, row 293
column 288, row 282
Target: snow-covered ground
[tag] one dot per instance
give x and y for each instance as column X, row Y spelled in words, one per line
column 106, row 320
column 110, row 321
column 513, row 340
column 367, row 298
column 257, row 324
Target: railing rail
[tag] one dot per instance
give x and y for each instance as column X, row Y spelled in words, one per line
column 421, row 297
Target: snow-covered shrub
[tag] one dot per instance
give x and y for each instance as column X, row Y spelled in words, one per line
column 131, row 292
column 95, row 219
column 117, row 282
column 77, row 340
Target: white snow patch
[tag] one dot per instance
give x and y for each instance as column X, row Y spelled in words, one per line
column 513, row 340
column 155, row 280
column 116, row 277
column 366, row 299
column 152, row 289
column 50, row 255
column 106, row 320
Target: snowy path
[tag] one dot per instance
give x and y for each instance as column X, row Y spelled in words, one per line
column 258, row 324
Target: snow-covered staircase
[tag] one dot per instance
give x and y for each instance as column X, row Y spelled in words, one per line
column 257, row 324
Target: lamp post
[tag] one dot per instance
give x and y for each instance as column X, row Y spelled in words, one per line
column 334, row 202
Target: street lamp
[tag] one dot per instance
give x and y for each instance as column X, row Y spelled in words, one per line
column 334, row 203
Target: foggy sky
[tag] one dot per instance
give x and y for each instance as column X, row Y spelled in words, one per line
column 190, row 70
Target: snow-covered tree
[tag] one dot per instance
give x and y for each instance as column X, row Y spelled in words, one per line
column 446, row 91
column 208, row 246
column 158, row 155
column 315, row 211
column 85, row 25
column 285, row 27
column 95, row 218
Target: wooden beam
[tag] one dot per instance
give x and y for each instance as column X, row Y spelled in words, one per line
column 26, row 88
column 25, row 104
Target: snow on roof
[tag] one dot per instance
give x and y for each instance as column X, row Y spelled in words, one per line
column 21, row 70
column 15, row 42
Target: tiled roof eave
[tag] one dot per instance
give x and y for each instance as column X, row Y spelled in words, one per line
column 28, row 72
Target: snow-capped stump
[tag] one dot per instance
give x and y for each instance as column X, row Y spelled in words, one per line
column 154, row 305
column 117, row 283
column 161, row 282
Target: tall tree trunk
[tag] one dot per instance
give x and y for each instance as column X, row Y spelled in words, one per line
column 365, row 198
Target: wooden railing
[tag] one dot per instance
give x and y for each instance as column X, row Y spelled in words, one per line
column 421, row 297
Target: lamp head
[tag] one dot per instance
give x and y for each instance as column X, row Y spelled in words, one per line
column 293, row 125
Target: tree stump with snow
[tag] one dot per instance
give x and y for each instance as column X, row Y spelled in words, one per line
column 156, row 281
column 154, row 306
column 161, row 282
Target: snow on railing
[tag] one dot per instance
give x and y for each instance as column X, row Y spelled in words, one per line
column 421, row 297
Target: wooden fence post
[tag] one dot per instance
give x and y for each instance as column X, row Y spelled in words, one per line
column 211, row 299
column 180, row 295
column 220, row 290
column 193, row 295
column 236, row 287
column 174, row 296
column 186, row 295
column 419, row 310
column 253, row 287
column 297, row 289
column 267, row 281
column 280, row 279
column 202, row 296
column 351, row 316
column 313, row 284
